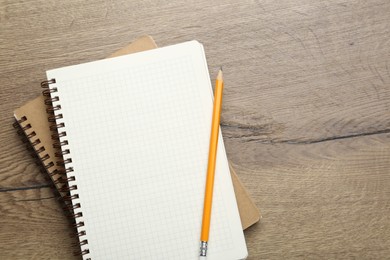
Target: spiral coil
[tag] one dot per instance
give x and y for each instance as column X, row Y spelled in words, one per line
column 33, row 146
column 64, row 163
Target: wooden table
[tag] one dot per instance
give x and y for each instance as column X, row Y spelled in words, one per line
column 305, row 116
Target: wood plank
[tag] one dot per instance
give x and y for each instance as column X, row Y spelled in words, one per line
column 327, row 200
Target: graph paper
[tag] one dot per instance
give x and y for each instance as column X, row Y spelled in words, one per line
column 138, row 129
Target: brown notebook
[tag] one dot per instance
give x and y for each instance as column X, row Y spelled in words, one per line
column 33, row 119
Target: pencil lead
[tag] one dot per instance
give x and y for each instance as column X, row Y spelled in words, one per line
column 221, row 68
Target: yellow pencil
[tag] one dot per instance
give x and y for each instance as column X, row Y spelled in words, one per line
column 208, row 198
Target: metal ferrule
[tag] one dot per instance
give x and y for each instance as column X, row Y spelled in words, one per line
column 203, row 248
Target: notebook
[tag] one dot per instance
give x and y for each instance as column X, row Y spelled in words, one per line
column 32, row 117
column 136, row 146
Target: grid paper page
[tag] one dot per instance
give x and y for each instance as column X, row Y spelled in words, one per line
column 138, row 128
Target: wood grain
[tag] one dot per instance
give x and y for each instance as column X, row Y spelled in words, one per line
column 334, row 205
column 36, row 227
column 305, row 115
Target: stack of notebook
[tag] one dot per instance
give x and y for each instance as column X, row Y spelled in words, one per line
column 124, row 140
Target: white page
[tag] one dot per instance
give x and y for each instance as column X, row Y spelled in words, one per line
column 138, row 128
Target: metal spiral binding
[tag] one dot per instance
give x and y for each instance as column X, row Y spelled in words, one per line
column 55, row 174
column 36, row 151
column 59, row 143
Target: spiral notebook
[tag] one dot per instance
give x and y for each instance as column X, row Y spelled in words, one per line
column 32, row 124
column 135, row 146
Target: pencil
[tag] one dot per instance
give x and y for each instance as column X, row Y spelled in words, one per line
column 208, row 198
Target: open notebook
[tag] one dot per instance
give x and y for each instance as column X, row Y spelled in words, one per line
column 136, row 146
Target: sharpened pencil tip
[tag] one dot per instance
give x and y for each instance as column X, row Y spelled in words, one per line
column 219, row 77
column 221, row 68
